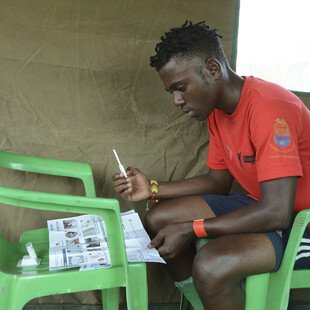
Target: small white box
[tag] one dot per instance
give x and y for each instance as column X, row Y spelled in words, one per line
column 27, row 261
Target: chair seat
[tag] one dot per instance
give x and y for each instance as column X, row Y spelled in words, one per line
column 40, row 281
column 39, row 239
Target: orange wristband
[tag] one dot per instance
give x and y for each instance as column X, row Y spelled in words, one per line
column 199, row 229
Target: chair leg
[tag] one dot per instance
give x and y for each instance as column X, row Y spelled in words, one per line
column 110, row 298
column 136, row 290
column 5, row 303
column 279, row 291
column 10, row 297
column 11, row 303
column 189, row 295
column 256, row 291
column 184, row 303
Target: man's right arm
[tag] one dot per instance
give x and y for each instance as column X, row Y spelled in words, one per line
column 214, row 182
column 136, row 187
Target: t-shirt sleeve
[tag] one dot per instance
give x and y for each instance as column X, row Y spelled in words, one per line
column 274, row 128
column 215, row 158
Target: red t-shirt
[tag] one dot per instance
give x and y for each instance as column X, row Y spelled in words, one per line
column 267, row 137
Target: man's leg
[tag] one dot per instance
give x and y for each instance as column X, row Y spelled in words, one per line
column 172, row 211
column 221, row 265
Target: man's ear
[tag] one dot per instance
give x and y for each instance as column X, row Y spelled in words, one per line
column 214, row 67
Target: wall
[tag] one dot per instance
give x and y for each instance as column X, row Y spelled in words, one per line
column 75, row 83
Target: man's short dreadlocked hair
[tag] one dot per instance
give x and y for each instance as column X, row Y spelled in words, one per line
column 188, row 40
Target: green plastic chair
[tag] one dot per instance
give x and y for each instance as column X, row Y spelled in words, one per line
column 269, row 291
column 20, row 285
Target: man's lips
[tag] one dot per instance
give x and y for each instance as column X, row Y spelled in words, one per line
column 188, row 113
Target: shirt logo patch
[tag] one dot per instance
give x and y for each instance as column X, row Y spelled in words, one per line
column 282, row 136
column 246, row 159
column 249, row 159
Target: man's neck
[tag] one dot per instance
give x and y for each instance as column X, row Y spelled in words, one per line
column 231, row 92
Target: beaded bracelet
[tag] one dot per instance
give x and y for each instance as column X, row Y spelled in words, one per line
column 199, row 229
column 154, row 191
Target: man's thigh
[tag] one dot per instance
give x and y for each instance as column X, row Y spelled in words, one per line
column 237, row 256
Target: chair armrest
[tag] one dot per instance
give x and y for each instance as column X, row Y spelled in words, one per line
column 55, row 202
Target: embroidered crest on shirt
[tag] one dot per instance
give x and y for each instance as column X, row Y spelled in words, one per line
column 282, row 136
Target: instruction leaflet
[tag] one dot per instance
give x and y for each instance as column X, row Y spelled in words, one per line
column 81, row 241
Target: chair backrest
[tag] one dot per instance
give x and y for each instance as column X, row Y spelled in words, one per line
column 57, row 167
column 106, row 208
column 300, row 224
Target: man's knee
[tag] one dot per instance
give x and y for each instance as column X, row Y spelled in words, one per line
column 155, row 219
column 212, row 271
column 205, row 265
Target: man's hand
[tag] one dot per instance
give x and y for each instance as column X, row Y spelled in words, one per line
column 135, row 187
column 172, row 239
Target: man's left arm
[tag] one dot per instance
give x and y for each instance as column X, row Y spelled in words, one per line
column 272, row 212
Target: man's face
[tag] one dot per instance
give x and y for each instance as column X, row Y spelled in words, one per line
column 191, row 85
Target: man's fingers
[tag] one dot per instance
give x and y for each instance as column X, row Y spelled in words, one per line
column 123, row 186
column 165, row 252
column 121, row 181
column 117, row 176
column 131, row 170
column 157, row 241
column 126, row 194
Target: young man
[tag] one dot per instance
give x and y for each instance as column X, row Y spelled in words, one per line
column 260, row 136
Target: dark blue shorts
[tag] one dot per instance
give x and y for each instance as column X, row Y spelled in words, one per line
column 221, row 204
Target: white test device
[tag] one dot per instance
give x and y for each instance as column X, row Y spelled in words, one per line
column 31, row 259
column 121, row 167
column 31, row 250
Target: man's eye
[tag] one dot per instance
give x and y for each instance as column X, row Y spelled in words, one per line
column 180, row 88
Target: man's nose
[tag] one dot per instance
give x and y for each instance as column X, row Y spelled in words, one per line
column 178, row 98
